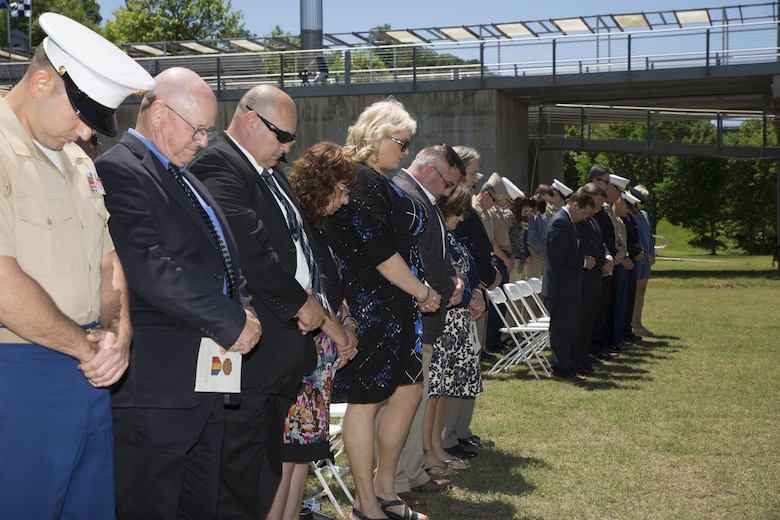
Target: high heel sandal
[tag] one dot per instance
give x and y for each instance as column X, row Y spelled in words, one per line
column 408, row 513
column 361, row 516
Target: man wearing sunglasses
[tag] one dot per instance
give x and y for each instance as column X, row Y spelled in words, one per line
column 435, row 171
column 240, row 170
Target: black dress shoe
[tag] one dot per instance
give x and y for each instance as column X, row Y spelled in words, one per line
column 461, row 452
column 475, row 442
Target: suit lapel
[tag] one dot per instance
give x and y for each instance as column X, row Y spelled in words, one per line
column 163, row 177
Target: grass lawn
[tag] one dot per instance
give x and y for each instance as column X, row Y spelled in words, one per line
column 685, row 425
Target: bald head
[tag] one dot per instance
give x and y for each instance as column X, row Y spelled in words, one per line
column 264, row 124
column 178, row 114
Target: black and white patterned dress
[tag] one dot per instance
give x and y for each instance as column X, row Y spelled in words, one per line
column 455, row 369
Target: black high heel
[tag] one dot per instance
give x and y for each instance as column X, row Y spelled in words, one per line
column 361, row 516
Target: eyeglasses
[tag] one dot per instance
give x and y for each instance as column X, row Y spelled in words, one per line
column 199, row 132
column 281, row 136
column 447, row 184
column 491, row 197
column 404, row 144
column 342, row 189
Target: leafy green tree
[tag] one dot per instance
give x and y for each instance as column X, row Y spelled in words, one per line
column 751, row 213
column 174, row 20
column 86, row 12
column 695, row 195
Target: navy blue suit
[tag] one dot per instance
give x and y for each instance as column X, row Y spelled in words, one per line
column 562, row 289
column 164, row 431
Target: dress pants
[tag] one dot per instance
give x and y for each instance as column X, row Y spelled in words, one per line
column 620, row 284
column 582, row 339
column 252, row 456
column 409, row 472
column 563, row 327
column 630, row 298
column 56, row 455
column 167, row 461
column 602, row 334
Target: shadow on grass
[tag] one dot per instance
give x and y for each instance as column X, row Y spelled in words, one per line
column 764, row 274
column 494, row 472
column 633, row 366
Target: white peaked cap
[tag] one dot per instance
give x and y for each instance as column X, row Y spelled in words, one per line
column 512, row 189
column 629, row 197
column 98, row 75
column 564, row 190
column 617, row 180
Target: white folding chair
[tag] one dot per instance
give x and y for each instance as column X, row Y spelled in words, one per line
column 522, row 336
column 325, row 469
column 536, row 284
column 532, row 302
column 518, row 295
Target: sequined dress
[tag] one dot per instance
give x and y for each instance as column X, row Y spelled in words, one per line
column 379, row 221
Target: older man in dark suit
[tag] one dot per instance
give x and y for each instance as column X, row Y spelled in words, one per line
column 240, row 170
column 181, row 265
column 562, row 286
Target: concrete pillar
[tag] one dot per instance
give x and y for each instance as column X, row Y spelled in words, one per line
column 510, row 133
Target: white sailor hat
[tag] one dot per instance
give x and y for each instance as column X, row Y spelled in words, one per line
column 512, row 189
column 629, row 197
column 618, row 181
column 564, row 190
column 497, row 183
column 98, row 76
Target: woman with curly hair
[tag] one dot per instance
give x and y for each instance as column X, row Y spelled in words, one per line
column 375, row 238
column 320, row 179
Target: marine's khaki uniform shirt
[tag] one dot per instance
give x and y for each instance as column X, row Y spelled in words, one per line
column 51, row 222
column 501, row 225
column 487, row 221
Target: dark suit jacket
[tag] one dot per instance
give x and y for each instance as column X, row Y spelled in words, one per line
column 437, row 262
column 174, row 273
column 607, row 229
column 591, row 244
column 563, row 263
column 268, row 261
column 472, row 233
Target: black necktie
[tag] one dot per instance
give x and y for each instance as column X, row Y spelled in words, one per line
column 297, row 233
column 216, row 238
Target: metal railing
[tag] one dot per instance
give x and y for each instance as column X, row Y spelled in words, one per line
column 703, row 46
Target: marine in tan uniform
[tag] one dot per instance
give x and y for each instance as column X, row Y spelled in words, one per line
column 64, row 326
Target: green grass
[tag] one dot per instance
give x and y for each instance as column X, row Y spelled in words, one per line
column 685, row 425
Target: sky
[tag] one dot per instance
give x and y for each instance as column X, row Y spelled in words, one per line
column 260, row 16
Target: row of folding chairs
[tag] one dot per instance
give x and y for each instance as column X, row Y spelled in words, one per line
column 525, row 320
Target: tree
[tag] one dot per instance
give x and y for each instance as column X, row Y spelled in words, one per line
column 174, row 20
column 86, row 12
column 751, row 215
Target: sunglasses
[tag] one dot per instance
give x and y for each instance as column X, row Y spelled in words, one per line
column 400, row 142
column 281, row 136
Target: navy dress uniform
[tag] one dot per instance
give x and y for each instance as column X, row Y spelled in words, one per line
column 56, row 459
